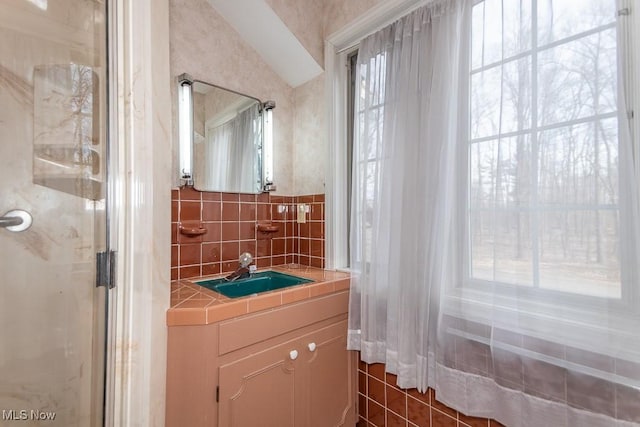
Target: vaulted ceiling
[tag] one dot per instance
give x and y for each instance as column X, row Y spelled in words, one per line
column 262, row 28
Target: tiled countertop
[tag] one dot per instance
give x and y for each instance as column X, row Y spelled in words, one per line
column 195, row 305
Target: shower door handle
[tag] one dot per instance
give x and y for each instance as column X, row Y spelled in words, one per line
column 16, row 220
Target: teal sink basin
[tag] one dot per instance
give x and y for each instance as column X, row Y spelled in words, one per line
column 257, row 283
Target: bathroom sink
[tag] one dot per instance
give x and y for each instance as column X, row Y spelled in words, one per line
column 257, row 283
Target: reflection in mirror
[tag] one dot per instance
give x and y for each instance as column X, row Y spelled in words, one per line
column 225, row 135
column 227, row 140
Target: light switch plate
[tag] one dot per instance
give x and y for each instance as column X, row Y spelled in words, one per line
column 302, row 213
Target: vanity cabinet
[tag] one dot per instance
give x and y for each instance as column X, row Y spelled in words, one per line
column 260, row 388
column 303, row 382
column 283, row 367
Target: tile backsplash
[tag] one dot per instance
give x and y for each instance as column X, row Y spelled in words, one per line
column 229, row 226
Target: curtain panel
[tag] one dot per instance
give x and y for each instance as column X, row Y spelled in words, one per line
column 234, row 143
column 495, row 229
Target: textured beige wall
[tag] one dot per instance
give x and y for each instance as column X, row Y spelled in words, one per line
column 311, row 22
column 310, row 137
column 204, row 45
column 309, row 127
column 304, row 18
column 339, row 13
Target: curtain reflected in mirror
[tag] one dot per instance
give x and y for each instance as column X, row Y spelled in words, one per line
column 227, row 140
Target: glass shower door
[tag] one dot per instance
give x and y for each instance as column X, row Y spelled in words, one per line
column 52, row 167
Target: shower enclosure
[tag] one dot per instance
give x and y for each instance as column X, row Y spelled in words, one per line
column 53, row 161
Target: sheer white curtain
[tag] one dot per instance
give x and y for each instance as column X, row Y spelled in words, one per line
column 234, row 144
column 408, row 106
column 495, row 221
column 248, row 133
column 216, row 152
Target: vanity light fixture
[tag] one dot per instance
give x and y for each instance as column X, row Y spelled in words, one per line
column 267, row 165
column 254, row 138
column 185, row 112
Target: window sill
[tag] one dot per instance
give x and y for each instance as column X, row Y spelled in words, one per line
column 566, row 325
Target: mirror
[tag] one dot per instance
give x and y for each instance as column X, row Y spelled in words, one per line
column 225, row 139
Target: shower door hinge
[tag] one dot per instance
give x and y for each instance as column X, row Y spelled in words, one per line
column 106, row 269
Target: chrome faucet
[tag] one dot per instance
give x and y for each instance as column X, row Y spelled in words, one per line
column 243, row 271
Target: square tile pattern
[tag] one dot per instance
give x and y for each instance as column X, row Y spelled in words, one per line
column 231, row 221
column 381, row 403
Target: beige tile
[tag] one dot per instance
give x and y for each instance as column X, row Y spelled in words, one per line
column 186, row 316
column 226, row 310
column 193, row 303
column 296, row 294
column 263, row 302
column 183, row 292
column 342, row 284
column 321, row 289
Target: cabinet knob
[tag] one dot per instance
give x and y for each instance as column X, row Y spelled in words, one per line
column 312, row 346
column 293, row 354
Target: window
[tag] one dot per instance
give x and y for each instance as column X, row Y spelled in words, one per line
column 368, row 112
column 352, row 61
column 543, row 147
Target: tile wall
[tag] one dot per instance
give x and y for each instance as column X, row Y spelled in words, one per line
column 381, row 403
column 231, row 220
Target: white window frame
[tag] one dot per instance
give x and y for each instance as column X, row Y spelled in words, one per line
column 578, row 309
column 533, row 52
column 338, row 46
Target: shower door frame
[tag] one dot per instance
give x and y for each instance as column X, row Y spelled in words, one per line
column 71, row 80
